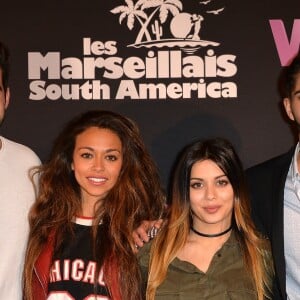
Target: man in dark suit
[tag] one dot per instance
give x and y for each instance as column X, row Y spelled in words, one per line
column 274, row 188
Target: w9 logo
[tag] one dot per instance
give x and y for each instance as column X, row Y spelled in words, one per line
column 286, row 48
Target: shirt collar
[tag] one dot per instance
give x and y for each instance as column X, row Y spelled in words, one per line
column 231, row 243
column 294, row 169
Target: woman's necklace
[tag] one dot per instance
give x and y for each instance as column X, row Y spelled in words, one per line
column 211, row 235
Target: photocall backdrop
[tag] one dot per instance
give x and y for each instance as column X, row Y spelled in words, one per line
column 181, row 69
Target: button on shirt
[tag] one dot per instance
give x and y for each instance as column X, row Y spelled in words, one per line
column 292, row 229
column 226, row 277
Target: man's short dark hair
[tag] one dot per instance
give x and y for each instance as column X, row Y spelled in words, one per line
column 4, row 64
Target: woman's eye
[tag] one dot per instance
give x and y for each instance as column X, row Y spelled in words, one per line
column 222, row 182
column 196, row 185
column 111, row 157
column 86, row 155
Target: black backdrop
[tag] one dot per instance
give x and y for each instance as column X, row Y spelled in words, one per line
column 237, row 53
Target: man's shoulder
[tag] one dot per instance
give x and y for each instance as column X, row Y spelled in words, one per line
column 19, row 149
column 278, row 162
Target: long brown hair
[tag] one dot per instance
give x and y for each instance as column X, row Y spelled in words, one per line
column 174, row 235
column 136, row 196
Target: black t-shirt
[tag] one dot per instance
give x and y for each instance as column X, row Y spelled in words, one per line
column 73, row 270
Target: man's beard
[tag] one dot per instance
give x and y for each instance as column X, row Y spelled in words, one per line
column 2, row 119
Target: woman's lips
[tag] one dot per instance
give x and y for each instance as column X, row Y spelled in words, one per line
column 211, row 209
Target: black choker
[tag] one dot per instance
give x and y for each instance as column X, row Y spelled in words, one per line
column 211, row 235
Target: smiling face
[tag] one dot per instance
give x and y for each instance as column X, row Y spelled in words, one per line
column 211, row 197
column 97, row 162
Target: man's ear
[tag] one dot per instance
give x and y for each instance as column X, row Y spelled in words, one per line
column 288, row 109
column 7, row 97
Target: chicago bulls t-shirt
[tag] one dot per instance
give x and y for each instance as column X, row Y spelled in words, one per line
column 72, row 275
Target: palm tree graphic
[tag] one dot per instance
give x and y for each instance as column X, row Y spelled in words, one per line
column 132, row 11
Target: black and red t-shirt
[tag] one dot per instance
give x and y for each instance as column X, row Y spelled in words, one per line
column 72, row 275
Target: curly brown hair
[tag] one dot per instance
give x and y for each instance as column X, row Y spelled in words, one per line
column 136, row 196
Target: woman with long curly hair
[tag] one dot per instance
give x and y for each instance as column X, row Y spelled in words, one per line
column 208, row 248
column 96, row 187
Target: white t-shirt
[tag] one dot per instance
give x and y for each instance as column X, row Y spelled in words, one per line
column 16, row 197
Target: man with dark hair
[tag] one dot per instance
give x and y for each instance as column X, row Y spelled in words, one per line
column 16, row 197
column 275, row 195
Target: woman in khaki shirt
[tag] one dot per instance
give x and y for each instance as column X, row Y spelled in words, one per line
column 208, row 248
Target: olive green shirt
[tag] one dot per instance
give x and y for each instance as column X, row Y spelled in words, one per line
column 226, row 277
